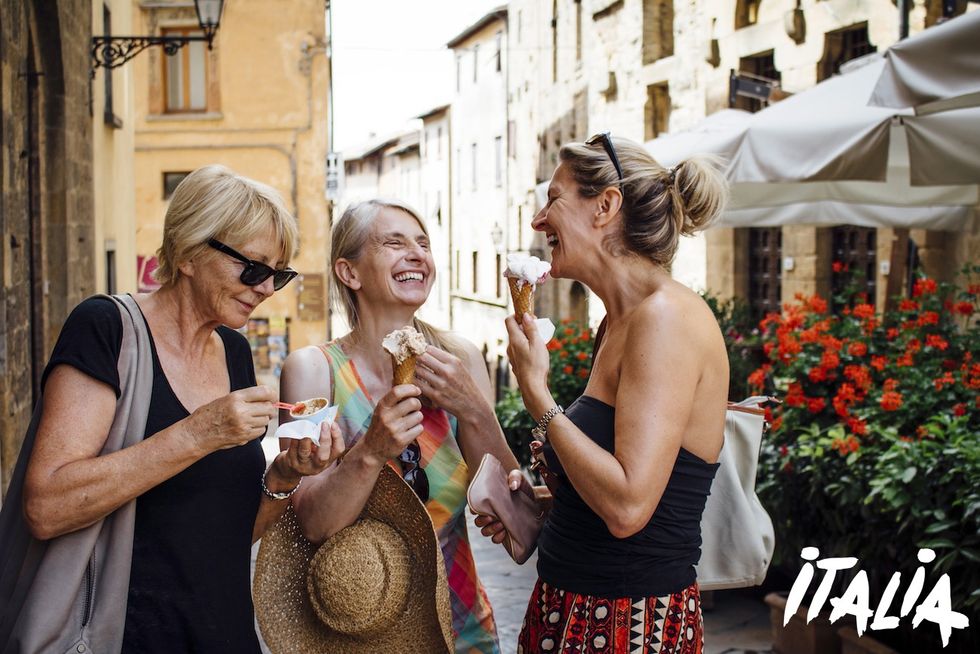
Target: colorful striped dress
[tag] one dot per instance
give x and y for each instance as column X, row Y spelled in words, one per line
column 443, row 462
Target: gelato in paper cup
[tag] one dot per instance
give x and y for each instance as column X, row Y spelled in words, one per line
column 309, row 425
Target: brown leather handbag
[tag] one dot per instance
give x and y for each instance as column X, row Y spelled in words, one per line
column 520, row 513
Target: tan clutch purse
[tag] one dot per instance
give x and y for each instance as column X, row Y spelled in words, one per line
column 521, row 515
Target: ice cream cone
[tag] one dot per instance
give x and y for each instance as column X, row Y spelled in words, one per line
column 523, row 296
column 404, row 372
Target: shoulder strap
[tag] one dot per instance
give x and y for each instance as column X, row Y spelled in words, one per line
column 332, row 366
column 36, row 612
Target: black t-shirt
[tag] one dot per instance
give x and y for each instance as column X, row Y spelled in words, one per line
column 189, row 590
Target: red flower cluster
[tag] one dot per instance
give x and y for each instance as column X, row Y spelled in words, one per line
column 845, row 367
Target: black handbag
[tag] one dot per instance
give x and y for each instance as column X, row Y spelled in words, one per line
column 69, row 594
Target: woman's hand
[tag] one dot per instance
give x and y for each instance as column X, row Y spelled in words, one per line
column 491, row 527
column 303, row 458
column 231, row 420
column 529, row 359
column 445, row 381
column 397, row 421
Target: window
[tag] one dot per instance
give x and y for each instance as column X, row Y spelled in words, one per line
column 110, row 267
column 498, row 148
column 765, row 270
column 185, row 74
column 843, row 46
column 520, row 23
column 476, row 61
column 459, row 72
column 170, row 182
column 439, row 207
column 456, row 272
column 476, row 276
column 554, row 41
column 746, row 13
column 657, row 110
column 497, row 54
column 658, row 30
column 855, row 251
column 500, row 275
column 439, row 143
column 473, row 165
column 578, row 30
column 761, row 67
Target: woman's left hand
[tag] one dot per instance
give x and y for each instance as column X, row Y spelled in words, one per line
column 529, row 359
column 446, row 381
column 303, row 458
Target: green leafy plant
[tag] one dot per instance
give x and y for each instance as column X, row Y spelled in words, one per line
column 570, row 353
column 874, row 451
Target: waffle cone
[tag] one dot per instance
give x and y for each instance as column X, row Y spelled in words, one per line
column 523, row 296
column 404, row 372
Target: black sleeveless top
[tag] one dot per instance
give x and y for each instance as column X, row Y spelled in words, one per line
column 189, row 586
column 577, row 553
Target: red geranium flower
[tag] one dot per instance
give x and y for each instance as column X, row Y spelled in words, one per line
column 964, row 308
column 928, row 318
column 857, row 349
column 863, row 311
column 936, row 341
column 816, row 404
column 891, row 401
column 567, row 370
column 959, row 409
column 878, row 362
column 908, row 305
column 923, row 286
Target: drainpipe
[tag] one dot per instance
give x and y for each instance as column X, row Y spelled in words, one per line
column 904, row 6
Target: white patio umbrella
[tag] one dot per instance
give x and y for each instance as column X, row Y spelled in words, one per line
column 825, row 157
column 937, row 69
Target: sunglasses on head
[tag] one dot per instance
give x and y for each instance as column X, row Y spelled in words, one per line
column 255, row 272
column 606, row 141
column 412, row 471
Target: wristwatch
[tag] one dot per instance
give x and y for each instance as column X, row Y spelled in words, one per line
column 540, row 431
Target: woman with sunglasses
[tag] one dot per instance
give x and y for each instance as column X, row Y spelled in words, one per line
column 202, row 491
column 635, row 455
column 436, row 430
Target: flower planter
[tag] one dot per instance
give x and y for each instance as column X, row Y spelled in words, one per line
column 851, row 643
column 798, row 637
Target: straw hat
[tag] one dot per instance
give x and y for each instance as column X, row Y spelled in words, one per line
column 377, row 586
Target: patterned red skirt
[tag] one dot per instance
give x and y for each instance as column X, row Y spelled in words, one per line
column 558, row 621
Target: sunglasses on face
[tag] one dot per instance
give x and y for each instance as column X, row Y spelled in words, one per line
column 412, row 471
column 255, row 272
column 606, row 140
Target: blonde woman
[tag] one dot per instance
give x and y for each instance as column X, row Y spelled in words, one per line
column 383, row 271
column 198, row 477
column 636, row 453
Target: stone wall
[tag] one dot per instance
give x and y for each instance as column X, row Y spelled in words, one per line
column 46, row 216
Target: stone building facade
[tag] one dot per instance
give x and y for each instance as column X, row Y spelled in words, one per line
column 641, row 68
column 257, row 102
column 47, row 220
column 481, row 229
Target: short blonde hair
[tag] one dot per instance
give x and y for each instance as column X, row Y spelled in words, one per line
column 659, row 204
column 216, row 202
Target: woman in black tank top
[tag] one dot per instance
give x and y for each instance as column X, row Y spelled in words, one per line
column 633, row 458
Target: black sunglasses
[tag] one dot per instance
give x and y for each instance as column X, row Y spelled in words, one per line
column 412, row 471
column 255, row 272
column 606, row 140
